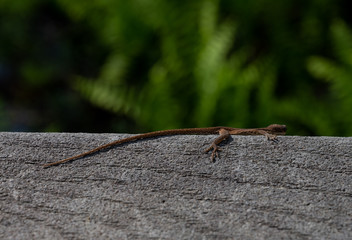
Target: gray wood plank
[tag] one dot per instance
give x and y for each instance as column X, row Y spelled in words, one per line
column 167, row 188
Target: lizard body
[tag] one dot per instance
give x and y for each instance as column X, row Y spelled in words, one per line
column 270, row 132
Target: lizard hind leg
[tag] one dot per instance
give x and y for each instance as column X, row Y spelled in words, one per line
column 224, row 134
column 214, row 153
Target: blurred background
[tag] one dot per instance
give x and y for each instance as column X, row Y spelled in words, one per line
column 143, row 65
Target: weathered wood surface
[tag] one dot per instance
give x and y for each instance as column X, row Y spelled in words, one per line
column 167, row 188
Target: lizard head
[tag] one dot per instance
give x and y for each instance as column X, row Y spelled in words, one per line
column 277, row 129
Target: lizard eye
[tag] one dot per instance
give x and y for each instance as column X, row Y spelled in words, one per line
column 283, row 128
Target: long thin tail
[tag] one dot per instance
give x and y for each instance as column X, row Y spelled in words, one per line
column 114, row 143
column 211, row 130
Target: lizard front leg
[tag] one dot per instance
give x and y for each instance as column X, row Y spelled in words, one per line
column 224, row 134
column 255, row 131
column 269, row 136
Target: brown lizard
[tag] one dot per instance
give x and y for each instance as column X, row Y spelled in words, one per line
column 269, row 132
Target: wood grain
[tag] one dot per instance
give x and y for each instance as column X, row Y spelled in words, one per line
column 167, row 188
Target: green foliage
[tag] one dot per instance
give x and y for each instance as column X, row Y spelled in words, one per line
column 154, row 64
column 196, row 80
column 338, row 74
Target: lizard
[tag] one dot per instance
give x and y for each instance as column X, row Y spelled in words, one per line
column 269, row 132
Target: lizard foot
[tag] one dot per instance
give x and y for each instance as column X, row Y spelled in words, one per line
column 214, row 153
column 271, row 137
